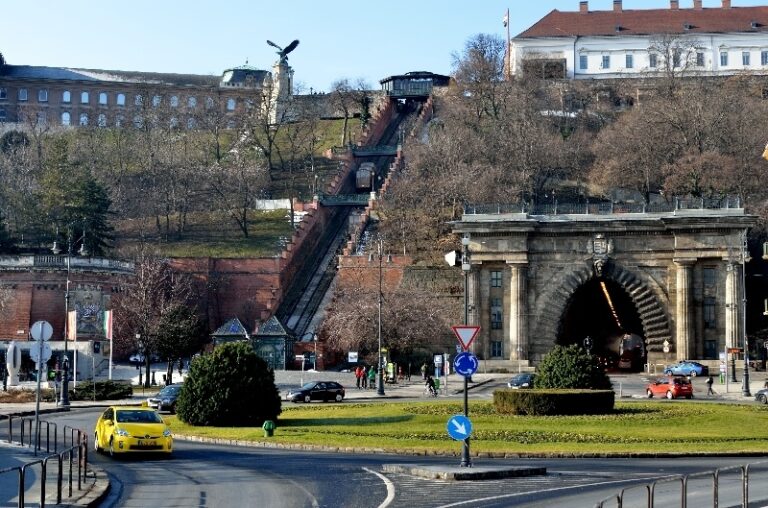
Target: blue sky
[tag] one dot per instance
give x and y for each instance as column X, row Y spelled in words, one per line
column 339, row 38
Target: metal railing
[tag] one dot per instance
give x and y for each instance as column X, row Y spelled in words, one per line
column 647, row 492
column 77, row 451
column 557, row 208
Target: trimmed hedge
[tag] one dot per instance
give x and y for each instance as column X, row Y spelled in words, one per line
column 553, row 402
column 105, row 390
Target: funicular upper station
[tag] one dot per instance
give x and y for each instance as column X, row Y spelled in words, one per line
column 669, row 276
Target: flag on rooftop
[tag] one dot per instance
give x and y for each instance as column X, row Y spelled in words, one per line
column 506, row 18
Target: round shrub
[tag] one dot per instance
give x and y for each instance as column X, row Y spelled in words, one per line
column 571, row 367
column 230, row 387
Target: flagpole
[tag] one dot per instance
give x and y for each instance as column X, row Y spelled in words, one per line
column 509, row 56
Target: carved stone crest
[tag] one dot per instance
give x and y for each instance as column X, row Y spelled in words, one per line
column 601, row 249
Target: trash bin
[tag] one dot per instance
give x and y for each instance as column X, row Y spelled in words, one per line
column 269, row 428
column 437, row 385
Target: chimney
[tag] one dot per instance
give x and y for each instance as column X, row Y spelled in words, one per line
column 726, row 4
column 584, row 6
column 616, row 5
column 697, row 5
column 674, row 5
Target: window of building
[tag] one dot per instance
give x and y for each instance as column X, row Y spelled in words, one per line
column 495, row 279
column 42, row 95
column 191, row 102
column 630, row 62
column 723, row 59
column 699, row 59
column 709, row 312
column 102, row 120
column 2, row 115
column 66, row 97
column 139, row 100
column 66, row 118
column 3, row 93
column 22, row 94
column 496, row 314
column 41, row 118
column 709, row 274
column 653, row 61
column 174, row 101
column 230, row 104
column 83, row 119
column 138, row 121
column 676, row 58
column 103, row 98
column 156, row 100
column 764, row 58
column 174, row 122
column 119, row 119
column 745, row 58
column 606, row 64
column 84, row 97
column 191, row 123
column 497, row 349
column 209, row 102
column 583, row 62
column 120, row 99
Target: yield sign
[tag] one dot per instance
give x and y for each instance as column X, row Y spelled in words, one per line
column 466, row 334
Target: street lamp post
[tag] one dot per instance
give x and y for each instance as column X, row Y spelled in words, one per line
column 744, row 258
column 380, row 251
column 314, row 339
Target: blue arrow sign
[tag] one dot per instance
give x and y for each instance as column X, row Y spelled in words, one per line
column 465, row 364
column 459, row 427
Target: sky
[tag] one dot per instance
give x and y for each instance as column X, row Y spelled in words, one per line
column 352, row 39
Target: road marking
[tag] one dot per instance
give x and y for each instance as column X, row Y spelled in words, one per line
column 520, row 494
column 390, row 487
column 307, row 493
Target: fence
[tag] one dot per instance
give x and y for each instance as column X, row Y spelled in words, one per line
column 726, row 486
column 76, row 454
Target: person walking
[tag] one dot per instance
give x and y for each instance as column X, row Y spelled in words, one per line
column 709, row 381
column 372, row 378
column 424, row 372
column 359, row 376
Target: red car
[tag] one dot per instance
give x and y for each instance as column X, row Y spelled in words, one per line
column 670, row 387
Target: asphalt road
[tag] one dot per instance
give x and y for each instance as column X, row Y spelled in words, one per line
column 204, row 475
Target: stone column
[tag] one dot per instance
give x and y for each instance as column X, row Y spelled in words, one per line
column 473, row 291
column 732, row 292
column 518, row 316
column 683, row 318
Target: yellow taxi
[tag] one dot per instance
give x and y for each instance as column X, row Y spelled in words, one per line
column 128, row 429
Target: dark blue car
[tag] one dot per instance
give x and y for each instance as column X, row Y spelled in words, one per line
column 687, row 368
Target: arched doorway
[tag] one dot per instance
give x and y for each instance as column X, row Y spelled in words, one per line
column 602, row 310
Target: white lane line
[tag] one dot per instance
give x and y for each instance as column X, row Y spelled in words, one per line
column 307, row 493
column 390, row 487
column 533, row 492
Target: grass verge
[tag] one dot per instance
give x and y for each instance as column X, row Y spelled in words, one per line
column 635, row 428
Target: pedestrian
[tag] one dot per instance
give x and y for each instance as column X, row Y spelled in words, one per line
column 424, row 371
column 709, row 386
column 408, row 372
column 181, row 365
column 358, row 376
column 372, row 378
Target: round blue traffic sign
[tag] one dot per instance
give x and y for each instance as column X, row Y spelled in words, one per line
column 459, row 427
column 465, row 364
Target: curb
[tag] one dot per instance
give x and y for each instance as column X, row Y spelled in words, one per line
column 96, row 493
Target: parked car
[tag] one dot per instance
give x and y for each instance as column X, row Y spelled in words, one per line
column 523, row 380
column 166, row 398
column 139, row 358
column 762, row 396
column 128, row 429
column 687, row 368
column 317, row 390
column 670, row 387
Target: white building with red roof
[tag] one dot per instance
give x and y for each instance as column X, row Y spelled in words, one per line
column 621, row 43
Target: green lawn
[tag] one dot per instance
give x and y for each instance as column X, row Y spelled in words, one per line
column 634, row 428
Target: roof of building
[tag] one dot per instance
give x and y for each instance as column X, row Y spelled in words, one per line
column 650, row 21
column 69, row 74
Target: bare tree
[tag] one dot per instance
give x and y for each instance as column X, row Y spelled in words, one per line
column 348, row 98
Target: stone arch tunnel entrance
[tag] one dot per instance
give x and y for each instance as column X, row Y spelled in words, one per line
column 603, row 311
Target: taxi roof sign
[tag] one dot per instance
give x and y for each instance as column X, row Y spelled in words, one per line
column 466, row 334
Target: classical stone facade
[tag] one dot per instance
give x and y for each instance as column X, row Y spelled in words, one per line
column 671, row 275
